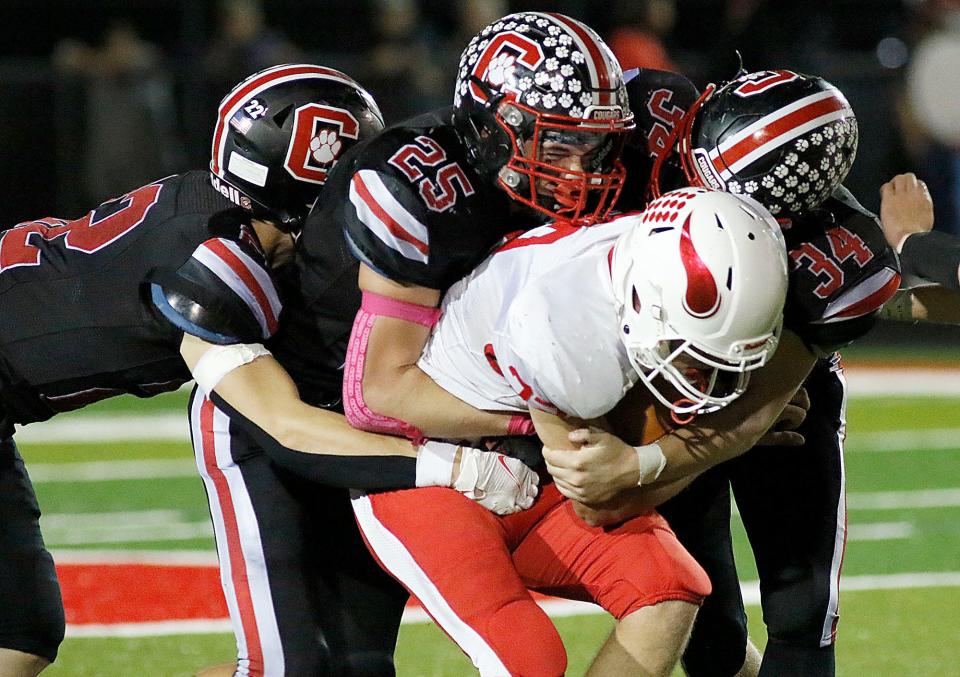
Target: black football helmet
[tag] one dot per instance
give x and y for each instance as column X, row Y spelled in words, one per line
column 785, row 139
column 536, row 78
column 280, row 132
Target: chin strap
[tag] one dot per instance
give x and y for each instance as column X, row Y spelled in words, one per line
column 683, row 419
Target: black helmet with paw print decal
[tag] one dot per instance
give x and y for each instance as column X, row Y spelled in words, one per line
column 535, row 81
column 279, row 133
column 785, row 139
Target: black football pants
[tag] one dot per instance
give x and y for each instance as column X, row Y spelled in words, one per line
column 305, row 596
column 791, row 501
column 31, row 610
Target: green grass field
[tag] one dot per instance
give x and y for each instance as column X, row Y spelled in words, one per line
column 903, row 469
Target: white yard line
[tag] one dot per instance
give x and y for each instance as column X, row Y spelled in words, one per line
column 97, row 528
column 555, row 608
column 921, row 439
column 868, row 381
column 880, row 531
column 107, row 428
column 157, row 557
column 898, row 500
column 100, row 471
column 129, row 533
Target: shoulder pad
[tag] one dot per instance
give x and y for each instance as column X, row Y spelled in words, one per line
column 386, row 228
column 221, row 294
column 416, row 211
column 842, row 272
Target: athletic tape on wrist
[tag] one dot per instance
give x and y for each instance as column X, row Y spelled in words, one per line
column 435, row 464
column 652, row 462
column 520, row 425
column 218, row 361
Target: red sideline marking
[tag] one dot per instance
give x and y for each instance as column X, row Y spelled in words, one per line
column 137, row 593
column 104, row 594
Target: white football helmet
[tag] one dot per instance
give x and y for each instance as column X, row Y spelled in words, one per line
column 700, row 284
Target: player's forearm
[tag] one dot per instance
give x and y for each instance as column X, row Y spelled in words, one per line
column 392, row 386
column 410, row 395
column 263, row 393
column 718, row 437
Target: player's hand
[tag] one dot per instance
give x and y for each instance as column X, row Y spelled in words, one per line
column 599, row 468
column 905, row 208
column 784, row 433
column 499, row 483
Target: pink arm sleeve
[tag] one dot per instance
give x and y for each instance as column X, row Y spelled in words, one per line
column 357, row 412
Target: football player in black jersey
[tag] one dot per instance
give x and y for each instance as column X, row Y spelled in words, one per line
column 788, row 141
column 105, row 304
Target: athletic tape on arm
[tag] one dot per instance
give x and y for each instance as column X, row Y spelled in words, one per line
column 218, row 361
column 354, row 406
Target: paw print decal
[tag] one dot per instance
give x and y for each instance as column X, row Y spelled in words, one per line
column 500, row 69
column 325, row 146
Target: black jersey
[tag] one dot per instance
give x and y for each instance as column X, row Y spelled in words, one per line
column 79, row 298
column 842, row 270
column 407, row 204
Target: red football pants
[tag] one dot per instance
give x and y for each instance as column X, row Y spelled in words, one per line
column 472, row 570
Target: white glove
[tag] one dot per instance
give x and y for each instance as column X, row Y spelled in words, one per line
column 499, row 483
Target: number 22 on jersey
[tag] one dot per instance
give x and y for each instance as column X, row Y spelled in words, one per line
column 99, row 228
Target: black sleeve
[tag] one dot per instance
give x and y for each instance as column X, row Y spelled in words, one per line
column 348, row 472
column 933, row 257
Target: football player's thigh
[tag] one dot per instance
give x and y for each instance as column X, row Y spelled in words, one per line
column 361, row 605
column 790, row 502
column 31, row 611
column 435, row 537
column 700, row 516
column 454, row 556
column 623, row 568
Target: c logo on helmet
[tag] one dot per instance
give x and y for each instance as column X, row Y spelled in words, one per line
column 309, row 161
column 701, row 298
column 496, row 61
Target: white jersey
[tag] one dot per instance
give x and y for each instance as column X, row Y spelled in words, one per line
column 536, row 325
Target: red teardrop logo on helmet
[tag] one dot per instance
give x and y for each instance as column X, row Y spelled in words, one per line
column 701, row 298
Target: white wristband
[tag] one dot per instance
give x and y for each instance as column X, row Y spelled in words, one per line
column 435, row 464
column 652, row 462
column 219, row 361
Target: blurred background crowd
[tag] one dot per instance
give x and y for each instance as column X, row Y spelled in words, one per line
column 99, row 96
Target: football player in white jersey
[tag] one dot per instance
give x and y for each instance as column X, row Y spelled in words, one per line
column 562, row 322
